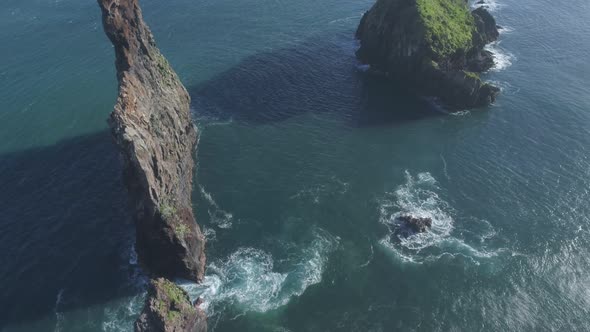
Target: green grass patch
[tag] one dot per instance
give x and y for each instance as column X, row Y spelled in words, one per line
column 449, row 25
column 172, row 302
column 168, row 211
column 174, row 293
column 471, row 74
column 181, row 230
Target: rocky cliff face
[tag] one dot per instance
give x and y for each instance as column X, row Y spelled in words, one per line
column 436, row 46
column 151, row 125
column 169, row 309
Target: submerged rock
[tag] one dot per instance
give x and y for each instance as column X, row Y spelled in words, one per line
column 168, row 308
column 416, row 224
column 152, row 126
column 435, row 46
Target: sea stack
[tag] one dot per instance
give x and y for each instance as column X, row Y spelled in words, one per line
column 152, row 126
column 434, row 46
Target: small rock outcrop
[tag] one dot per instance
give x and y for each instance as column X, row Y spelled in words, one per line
column 152, row 126
column 415, row 224
column 434, row 46
column 168, row 308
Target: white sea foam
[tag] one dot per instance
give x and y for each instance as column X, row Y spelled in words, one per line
column 491, row 5
column 210, row 234
column 445, row 168
column 219, row 217
column 132, row 255
column 506, row 87
column 345, row 19
column 248, row 280
column 59, row 316
column 363, row 67
column 461, row 113
column 369, row 259
column 119, row 314
column 502, row 58
column 419, row 196
column 211, row 122
column 505, row 30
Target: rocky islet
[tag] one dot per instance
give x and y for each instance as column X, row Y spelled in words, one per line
column 434, row 46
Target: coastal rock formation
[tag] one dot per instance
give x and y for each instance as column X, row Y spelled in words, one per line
column 168, row 309
column 152, row 126
column 434, row 46
column 416, row 224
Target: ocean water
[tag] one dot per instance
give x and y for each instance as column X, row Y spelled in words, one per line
column 303, row 163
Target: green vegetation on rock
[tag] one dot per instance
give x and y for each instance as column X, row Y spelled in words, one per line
column 168, row 211
column 449, row 25
column 181, row 230
column 174, row 293
column 471, row 74
column 175, row 300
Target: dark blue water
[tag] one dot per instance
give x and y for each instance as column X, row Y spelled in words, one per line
column 303, row 164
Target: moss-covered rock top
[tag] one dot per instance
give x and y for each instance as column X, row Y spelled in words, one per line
column 449, row 26
column 435, row 46
column 172, row 300
column 168, row 308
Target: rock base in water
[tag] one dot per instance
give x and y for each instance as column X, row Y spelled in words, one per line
column 416, row 224
column 168, row 309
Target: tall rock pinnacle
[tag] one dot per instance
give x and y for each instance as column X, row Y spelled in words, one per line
column 152, row 126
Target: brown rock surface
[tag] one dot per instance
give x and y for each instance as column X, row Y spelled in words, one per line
column 416, row 224
column 152, row 126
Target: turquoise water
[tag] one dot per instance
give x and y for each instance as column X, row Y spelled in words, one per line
column 303, row 164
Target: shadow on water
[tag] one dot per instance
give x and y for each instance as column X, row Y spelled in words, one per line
column 63, row 228
column 319, row 75
column 64, row 225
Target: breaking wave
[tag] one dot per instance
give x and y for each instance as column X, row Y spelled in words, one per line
column 250, row 280
column 502, row 58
